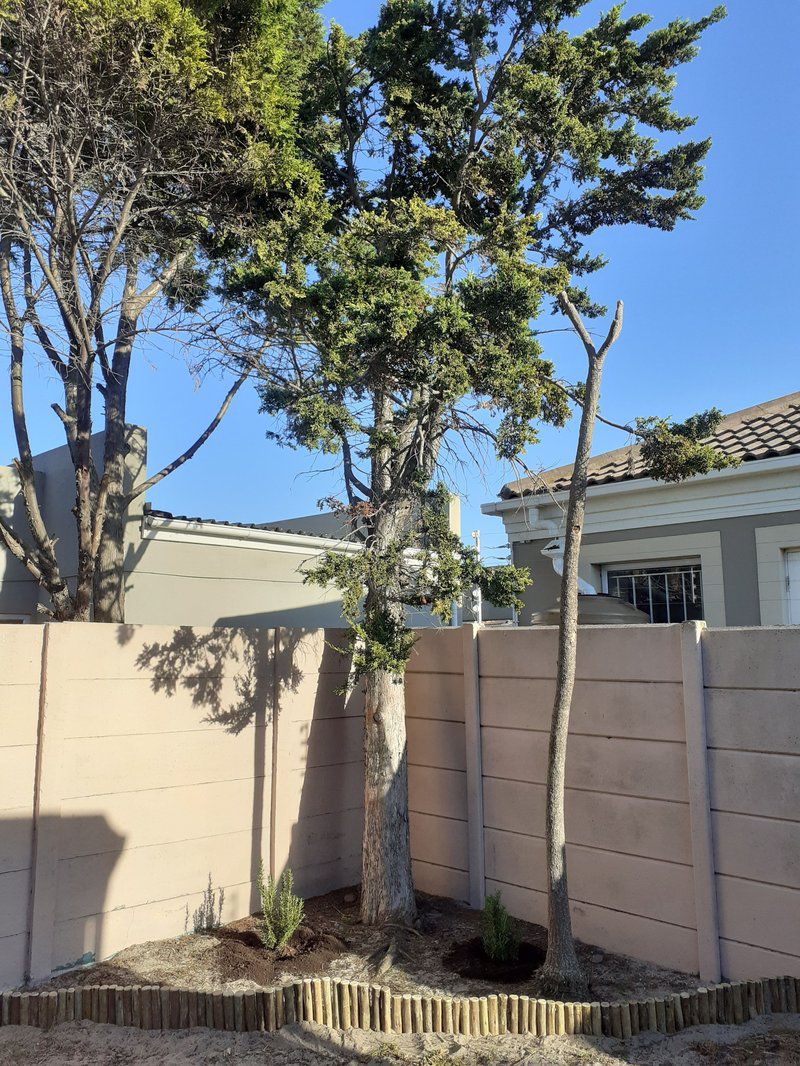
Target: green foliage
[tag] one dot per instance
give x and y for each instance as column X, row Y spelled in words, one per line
column 498, row 931
column 433, row 568
column 467, row 152
column 283, row 910
column 674, row 451
column 187, row 107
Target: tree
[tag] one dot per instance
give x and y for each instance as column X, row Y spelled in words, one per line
column 472, row 148
column 673, row 452
column 135, row 138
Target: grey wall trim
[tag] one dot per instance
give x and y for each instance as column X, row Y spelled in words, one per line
column 739, row 561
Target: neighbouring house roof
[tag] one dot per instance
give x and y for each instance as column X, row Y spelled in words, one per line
column 759, row 432
column 152, row 512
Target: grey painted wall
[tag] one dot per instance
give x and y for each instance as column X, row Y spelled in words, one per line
column 739, row 564
column 19, row 593
column 175, row 582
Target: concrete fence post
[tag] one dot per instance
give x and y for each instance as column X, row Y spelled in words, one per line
column 705, row 888
column 472, row 736
column 47, row 796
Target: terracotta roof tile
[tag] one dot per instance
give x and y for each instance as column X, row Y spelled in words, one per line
column 758, row 432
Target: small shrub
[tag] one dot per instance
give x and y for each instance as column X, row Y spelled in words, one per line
column 499, row 934
column 283, row 910
column 208, row 915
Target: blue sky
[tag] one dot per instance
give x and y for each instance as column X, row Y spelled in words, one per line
column 709, row 309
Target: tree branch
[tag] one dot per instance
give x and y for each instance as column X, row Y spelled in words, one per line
column 187, row 455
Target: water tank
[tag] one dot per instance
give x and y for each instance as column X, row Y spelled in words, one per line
column 599, row 610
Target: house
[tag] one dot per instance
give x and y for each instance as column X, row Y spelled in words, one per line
column 182, row 570
column 723, row 546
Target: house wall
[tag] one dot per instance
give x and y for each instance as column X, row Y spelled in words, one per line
column 739, row 579
column 55, row 481
column 207, row 584
column 201, row 574
column 138, row 762
column 18, row 591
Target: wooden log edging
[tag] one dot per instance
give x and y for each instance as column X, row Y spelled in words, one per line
column 343, row 1005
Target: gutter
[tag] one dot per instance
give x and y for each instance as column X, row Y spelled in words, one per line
column 190, row 532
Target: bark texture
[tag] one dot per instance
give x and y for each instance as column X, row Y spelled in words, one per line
column 562, row 971
column 387, row 892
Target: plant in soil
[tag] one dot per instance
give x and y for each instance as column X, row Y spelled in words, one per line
column 208, row 915
column 499, row 931
column 283, row 910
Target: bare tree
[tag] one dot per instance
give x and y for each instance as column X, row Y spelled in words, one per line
column 561, row 967
column 672, row 451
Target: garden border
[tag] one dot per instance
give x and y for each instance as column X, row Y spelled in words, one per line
column 343, row 1005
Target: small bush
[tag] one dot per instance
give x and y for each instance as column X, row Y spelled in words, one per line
column 208, row 915
column 499, row 934
column 283, row 910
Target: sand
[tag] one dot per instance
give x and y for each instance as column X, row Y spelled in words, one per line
column 773, row 1040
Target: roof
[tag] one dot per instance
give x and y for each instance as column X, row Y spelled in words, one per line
column 152, row 512
column 759, row 432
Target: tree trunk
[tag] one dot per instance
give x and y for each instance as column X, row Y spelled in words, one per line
column 109, row 580
column 387, row 886
column 561, row 971
column 387, row 889
column 109, row 575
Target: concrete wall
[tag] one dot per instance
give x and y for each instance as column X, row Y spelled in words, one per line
column 437, row 764
column 737, row 542
column 752, row 680
column 20, row 678
column 138, row 761
column 629, row 843
column 168, row 757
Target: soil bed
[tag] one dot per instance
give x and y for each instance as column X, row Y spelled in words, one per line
column 442, row 955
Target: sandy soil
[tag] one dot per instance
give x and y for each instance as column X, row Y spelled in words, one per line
column 333, row 942
column 768, row 1041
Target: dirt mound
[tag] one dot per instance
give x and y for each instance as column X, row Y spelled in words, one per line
column 468, row 959
column 240, row 953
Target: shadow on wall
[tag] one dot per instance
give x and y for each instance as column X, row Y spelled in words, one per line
column 199, row 662
column 61, row 924
column 307, row 740
column 319, row 800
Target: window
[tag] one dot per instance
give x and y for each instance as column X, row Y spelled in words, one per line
column 667, row 592
column 13, row 619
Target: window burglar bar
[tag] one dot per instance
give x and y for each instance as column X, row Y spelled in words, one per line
column 665, row 593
